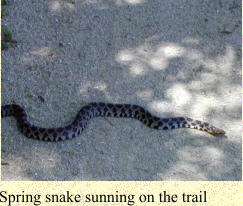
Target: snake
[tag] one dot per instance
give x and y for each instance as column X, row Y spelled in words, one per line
column 100, row 109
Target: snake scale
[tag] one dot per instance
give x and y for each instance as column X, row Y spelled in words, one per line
column 98, row 109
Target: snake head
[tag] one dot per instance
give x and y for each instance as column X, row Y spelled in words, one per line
column 216, row 131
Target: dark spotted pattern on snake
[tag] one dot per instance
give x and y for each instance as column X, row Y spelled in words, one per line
column 99, row 109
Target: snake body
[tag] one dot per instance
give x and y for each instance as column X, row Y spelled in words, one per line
column 98, row 109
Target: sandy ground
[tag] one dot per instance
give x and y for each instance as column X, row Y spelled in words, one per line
column 174, row 58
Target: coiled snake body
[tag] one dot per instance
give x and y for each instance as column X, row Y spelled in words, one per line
column 101, row 109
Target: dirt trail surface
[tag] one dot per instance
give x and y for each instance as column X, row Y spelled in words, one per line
column 175, row 58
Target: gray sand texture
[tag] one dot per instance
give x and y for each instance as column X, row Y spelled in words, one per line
column 174, row 58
